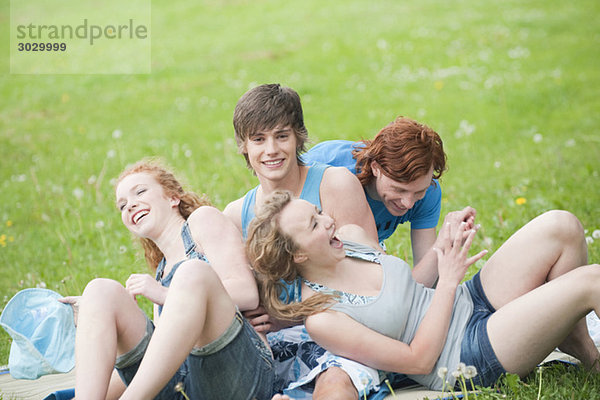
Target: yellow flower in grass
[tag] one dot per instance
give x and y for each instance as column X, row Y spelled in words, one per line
column 3, row 240
column 9, row 223
column 520, row 201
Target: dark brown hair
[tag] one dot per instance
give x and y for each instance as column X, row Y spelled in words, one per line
column 266, row 107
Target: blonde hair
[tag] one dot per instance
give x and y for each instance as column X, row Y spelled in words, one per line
column 188, row 201
column 271, row 253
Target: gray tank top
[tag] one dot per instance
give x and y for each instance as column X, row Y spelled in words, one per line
column 401, row 305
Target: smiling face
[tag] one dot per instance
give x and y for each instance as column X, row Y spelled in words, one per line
column 272, row 153
column 312, row 231
column 397, row 197
column 143, row 204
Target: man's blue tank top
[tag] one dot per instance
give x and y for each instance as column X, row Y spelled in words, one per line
column 310, row 193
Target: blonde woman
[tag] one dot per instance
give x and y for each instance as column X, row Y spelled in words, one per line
column 366, row 306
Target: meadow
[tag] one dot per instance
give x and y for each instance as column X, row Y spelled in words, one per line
column 511, row 87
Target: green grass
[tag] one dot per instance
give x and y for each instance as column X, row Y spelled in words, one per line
column 491, row 77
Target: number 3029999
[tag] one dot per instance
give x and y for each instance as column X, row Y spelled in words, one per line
column 41, row 46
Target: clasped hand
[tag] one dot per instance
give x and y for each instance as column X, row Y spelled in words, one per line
column 452, row 249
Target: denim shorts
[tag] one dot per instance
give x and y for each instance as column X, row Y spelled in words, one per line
column 476, row 348
column 237, row 365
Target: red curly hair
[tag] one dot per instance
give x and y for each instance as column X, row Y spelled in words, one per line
column 405, row 150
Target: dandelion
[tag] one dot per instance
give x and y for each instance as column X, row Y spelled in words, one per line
column 99, row 224
column 122, row 249
column 117, row 134
column 438, row 85
column 78, row 193
column 470, row 372
column 497, row 164
column 537, row 138
column 64, row 98
column 111, row 153
column 179, row 389
column 596, row 234
column 570, row 143
column 3, row 240
column 188, row 153
column 92, row 180
column 9, row 223
column 387, row 382
column 520, row 201
column 41, row 285
column 464, row 129
column 589, row 240
column 382, row 44
column 442, row 372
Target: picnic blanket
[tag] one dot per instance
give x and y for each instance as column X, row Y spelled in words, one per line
column 23, row 389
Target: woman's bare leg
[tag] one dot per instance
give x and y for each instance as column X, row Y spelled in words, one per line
column 109, row 324
column 196, row 312
column 524, row 331
column 547, row 247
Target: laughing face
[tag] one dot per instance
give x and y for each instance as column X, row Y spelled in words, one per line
column 313, row 232
column 397, row 197
column 143, row 204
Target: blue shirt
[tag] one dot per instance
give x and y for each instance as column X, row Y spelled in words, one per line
column 423, row 215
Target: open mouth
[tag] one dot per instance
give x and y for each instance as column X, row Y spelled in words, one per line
column 139, row 215
column 336, row 243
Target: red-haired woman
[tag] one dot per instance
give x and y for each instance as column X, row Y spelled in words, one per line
column 198, row 342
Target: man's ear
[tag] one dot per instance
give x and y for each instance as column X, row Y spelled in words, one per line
column 299, row 258
column 375, row 168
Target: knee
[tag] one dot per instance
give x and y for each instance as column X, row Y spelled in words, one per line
column 102, row 288
column 336, row 381
column 100, row 292
column 194, row 275
column 563, row 224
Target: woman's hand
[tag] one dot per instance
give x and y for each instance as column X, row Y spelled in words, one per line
column 456, row 219
column 147, row 286
column 453, row 260
column 260, row 320
column 73, row 301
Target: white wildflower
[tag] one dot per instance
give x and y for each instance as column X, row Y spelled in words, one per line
column 78, row 193
column 596, row 234
column 382, row 44
column 117, row 134
column 111, row 154
column 519, row 52
column 442, row 372
column 570, row 143
column 497, row 164
column 122, row 249
column 92, row 180
column 99, row 224
column 456, row 374
column 537, row 138
column 188, row 153
column 589, row 240
column 41, row 285
column 470, row 372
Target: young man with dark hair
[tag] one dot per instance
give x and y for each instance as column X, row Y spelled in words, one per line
column 270, row 133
